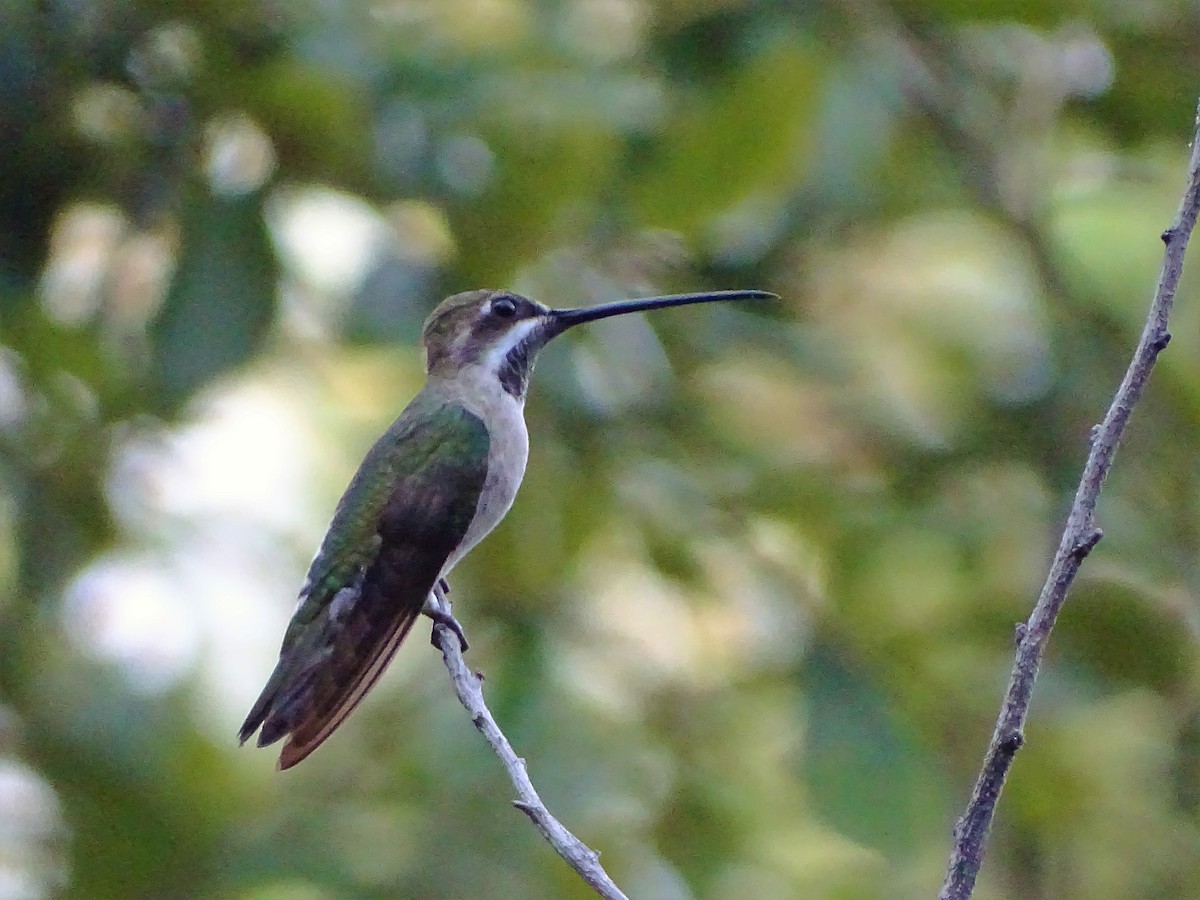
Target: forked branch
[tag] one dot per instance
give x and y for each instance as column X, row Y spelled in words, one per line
column 1078, row 539
column 578, row 855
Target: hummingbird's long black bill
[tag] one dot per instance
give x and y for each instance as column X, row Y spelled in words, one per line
column 568, row 318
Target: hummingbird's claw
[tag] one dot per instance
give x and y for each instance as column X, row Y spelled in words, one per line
column 441, row 617
column 437, row 607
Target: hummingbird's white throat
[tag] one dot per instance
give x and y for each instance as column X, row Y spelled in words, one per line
column 510, row 360
column 497, row 356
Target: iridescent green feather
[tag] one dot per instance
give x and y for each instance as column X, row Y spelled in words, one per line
column 405, row 511
column 430, row 435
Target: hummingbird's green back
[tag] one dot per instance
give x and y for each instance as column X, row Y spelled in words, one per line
column 405, row 511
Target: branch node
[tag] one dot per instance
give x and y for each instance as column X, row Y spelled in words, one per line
column 1086, row 543
column 1020, row 630
column 1011, row 743
column 1169, row 235
column 1160, row 342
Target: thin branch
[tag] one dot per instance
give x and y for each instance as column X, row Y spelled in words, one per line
column 1078, row 539
column 579, row 856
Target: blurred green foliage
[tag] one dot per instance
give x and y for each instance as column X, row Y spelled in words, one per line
column 751, row 616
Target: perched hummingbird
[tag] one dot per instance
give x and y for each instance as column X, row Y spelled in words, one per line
column 438, row 480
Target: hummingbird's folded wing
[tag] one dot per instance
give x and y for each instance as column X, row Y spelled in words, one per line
column 406, row 510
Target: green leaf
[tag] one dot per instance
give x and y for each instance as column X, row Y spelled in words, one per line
column 222, row 298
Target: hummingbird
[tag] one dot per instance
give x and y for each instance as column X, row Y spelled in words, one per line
column 439, row 479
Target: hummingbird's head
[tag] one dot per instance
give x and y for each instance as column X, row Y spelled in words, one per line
column 498, row 330
column 502, row 332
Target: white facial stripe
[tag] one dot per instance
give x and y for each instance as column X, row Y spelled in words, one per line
column 516, row 334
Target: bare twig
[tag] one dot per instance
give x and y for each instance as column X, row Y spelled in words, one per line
column 1078, row 539
column 579, row 856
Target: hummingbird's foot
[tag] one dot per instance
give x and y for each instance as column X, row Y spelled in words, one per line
column 439, row 611
column 441, row 617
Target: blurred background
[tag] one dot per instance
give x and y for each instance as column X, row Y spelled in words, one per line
column 752, row 614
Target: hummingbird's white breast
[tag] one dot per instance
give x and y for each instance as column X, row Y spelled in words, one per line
column 479, row 391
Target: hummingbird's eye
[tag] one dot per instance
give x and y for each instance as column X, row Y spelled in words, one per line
column 504, row 308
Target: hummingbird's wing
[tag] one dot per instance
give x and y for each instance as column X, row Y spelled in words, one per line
column 406, row 510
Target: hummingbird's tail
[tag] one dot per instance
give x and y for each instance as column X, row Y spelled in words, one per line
column 310, row 694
